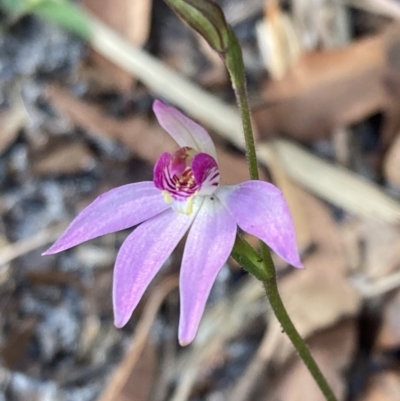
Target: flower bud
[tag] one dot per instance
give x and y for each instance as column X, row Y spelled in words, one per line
column 206, row 17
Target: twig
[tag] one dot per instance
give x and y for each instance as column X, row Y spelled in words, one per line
column 342, row 188
column 334, row 183
column 166, row 83
column 376, row 288
column 13, row 251
column 139, row 340
column 247, row 382
column 217, row 326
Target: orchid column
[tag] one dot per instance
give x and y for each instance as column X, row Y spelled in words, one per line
column 207, row 18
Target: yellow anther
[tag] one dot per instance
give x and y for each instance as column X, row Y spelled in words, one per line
column 167, row 196
column 189, row 208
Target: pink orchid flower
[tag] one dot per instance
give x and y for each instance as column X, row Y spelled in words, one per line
column 184, row 196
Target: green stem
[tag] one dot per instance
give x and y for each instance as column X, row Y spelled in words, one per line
column 271, row 289
column 248, row 258
column 263, row 267
column 243, row 103
column 234, row 64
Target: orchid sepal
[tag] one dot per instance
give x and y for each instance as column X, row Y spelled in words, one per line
column 185, row 196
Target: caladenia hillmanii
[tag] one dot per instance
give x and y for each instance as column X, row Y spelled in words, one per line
column 184, row 196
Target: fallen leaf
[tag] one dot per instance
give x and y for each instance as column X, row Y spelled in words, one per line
column 139, row 384
column 383, row 386
column 340, row 187
column 289, row 189
column 389, row 333
column 132, row 379
column 324, row 90
column 11, row 121
column 277, row 40
column 320, row 295
column 217, row 327
column 12, row 251
column 391, row 164
column 381, row 245
column 16, row 343
column 132, row 19
column 70, row 158
column 54, row 277
column 327, row 90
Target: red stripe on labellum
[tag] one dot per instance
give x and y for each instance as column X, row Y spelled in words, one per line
column 174, row 173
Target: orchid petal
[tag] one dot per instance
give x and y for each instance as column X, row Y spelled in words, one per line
column 208, row 246
column 115, row 210
column 183, row 130
column 206, row 173
column 260, row 209
column 140, row 258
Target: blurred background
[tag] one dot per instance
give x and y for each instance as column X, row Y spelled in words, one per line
column 76, row 121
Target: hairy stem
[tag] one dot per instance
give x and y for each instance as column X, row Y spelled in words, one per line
column 234, row 63
column 262, row 267
column 243, row 252
column 271, row 289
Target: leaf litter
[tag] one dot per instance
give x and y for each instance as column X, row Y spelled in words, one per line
column 67, row 135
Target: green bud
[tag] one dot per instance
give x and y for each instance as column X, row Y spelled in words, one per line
column 205, row 17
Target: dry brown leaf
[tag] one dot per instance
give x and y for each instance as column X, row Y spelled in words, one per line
column 383, row 386
column 339, row 186
column 216, row 75
column 132, row 19
column 327, row 90
column 140, row 382
column 320, row 295
column 247, row 382
column 341, row 144
column 332, row 350
column 71, row 158
column 55, row 277
column 380, row 250
column 12, row 251
column 217, row 326
column 389, row 333
column 391, row 165
column 277, row 40
column 323, row 24
column 382, row 244
column 11, row 121
column 139, row 363
column 16, row 343
column 289, row 189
